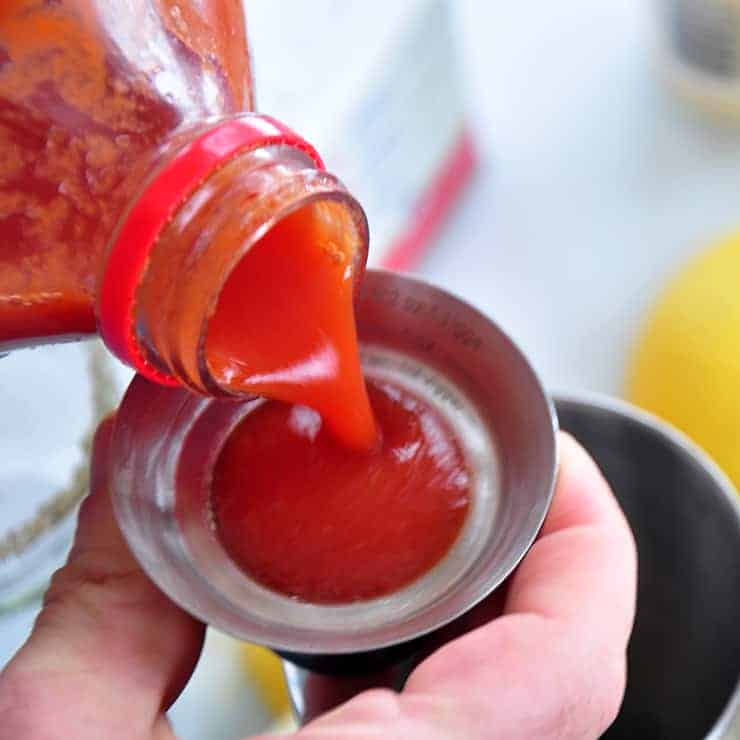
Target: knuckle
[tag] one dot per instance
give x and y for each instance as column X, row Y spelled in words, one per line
column 87, row 587
column 612, row 685
column 381, row 703
column 588, row 701
column 597, row 699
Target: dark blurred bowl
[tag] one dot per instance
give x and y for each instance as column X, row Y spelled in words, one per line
column 684, row 655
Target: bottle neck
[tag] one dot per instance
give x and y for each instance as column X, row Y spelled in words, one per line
column 213, row 231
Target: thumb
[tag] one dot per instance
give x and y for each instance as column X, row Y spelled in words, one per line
column 109, row 651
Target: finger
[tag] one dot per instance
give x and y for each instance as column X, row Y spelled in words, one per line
column 582, row 570
column 108, row 645
column 553, row 666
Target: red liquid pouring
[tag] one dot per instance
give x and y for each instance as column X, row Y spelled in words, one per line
column 304, row 516
column 284, row 327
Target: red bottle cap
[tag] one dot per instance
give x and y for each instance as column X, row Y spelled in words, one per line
column 155, row 208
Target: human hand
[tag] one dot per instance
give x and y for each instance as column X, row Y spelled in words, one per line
column 109, row 652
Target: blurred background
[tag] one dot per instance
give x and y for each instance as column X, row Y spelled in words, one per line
column 571, row 168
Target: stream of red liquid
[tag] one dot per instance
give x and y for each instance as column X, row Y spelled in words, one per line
column 285, row 327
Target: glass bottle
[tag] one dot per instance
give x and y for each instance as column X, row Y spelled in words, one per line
column 134, row 178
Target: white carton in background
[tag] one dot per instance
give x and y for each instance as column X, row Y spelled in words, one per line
column 376, row 88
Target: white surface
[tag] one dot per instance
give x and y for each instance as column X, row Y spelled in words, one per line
column 596, row 183
column 595, row 186
column 383, row 112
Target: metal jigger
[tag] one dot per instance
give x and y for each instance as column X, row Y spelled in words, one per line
column 167, row 440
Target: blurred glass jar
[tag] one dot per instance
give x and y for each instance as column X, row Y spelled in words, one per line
column 700, row 53
column 44, row 474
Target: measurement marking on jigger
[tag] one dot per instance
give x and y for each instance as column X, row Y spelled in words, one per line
column 386, row 296
column 460, row 331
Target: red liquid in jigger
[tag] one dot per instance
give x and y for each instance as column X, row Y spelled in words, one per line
column 305, row 516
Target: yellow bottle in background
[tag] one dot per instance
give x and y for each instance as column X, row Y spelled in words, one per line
column 265, row 673
column 686, row 367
